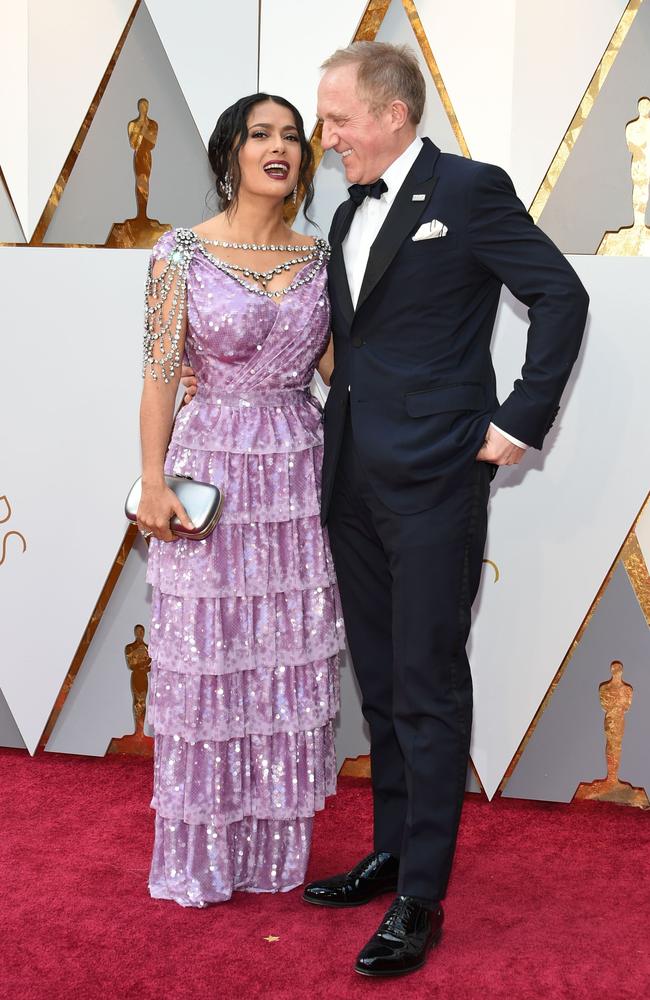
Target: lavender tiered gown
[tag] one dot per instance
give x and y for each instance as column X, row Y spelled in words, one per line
column 246, row 625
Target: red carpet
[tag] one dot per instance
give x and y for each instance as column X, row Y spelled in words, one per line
column 546, row 901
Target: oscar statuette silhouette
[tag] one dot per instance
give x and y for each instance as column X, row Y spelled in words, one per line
column 141, row 231
column 139, row 662
column 634, row 240
column 616, row 699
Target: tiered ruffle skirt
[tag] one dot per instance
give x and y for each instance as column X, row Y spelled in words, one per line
column 245, row 634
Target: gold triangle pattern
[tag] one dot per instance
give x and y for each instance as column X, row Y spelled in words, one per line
column 62, row 180
column 423, row 42
column 584, row 108
column 631, row 558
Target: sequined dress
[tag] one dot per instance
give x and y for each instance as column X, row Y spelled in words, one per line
column 246, row 625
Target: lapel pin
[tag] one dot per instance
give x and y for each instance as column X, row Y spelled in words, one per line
column 418, row 197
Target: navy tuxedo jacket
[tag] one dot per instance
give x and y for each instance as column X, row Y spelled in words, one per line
column 416, row 350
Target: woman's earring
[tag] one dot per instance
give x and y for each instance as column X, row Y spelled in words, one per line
column 294, row 196
column 226, row 187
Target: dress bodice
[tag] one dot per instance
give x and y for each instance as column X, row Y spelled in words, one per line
column 238, row 339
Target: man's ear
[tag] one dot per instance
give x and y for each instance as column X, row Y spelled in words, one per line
column 399, row 114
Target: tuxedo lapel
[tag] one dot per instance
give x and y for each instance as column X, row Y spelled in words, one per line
column 337, row 275
column 402, row 217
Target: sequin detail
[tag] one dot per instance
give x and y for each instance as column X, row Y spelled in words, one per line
column 246, row 625
column 200, row 864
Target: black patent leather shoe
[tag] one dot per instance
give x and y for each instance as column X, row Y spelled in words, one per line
column 402, row 940
column 373, row 876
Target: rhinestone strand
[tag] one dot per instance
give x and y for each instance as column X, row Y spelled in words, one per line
column 288, row 247
column 172, row 281
column 265, row 276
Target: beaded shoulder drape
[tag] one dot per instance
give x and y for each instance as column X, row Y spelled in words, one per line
column 246, row 625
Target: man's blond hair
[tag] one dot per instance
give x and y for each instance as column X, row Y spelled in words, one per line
column 385, row 73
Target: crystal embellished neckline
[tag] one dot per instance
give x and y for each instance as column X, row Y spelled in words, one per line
column 286, row 247
column 319, row 253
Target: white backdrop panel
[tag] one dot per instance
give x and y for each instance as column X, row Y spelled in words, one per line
column 554, row 60
column 213, row 50
column 516, row 72
column 473, row 45
column 14, row 103
column 555, row 535
column 295, row 38
column 69, row 445
column 100, row 705
column 70, row 45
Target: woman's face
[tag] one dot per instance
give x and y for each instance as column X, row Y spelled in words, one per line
column 270, row 158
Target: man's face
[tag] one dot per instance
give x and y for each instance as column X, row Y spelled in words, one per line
column 365, row 142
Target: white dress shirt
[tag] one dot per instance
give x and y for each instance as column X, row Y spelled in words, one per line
column 368, row 220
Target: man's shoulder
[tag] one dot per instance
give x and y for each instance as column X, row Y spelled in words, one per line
column 466, row 170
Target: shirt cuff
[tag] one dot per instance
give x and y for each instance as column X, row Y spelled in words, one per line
column 513, row 440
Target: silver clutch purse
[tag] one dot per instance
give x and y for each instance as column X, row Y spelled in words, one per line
column 202, row 501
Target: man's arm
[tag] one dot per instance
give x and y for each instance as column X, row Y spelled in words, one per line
column 506, row 242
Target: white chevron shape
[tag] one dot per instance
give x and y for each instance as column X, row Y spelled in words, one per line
column 13, row 106
column 52, row 71
column 68, row 461
column 558, row 520
column 295, row 38
column 213, row 50
column 516, row 72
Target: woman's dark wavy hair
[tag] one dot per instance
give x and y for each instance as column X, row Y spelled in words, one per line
column 231, row 133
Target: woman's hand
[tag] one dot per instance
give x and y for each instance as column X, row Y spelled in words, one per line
column 158, row 504
column 188, row 378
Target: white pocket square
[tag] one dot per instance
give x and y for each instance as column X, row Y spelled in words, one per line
column 431, row 230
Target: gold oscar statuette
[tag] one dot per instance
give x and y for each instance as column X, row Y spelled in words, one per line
column 616, row 698
column 140, row 231
column 138, row 661
column 634, row 241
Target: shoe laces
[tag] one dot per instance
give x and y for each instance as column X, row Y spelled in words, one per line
column 361, row 866
column 398, row 915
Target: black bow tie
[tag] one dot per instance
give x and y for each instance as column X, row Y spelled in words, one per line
column 360, row 191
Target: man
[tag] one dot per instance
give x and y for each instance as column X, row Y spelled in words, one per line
column 413, row 435
column 419, row 255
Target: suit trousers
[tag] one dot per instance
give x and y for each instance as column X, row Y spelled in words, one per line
column 407, row 584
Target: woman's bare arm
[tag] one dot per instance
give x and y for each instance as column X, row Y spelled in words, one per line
column 158, row 503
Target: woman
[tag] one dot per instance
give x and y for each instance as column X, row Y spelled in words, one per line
column 246, row 626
